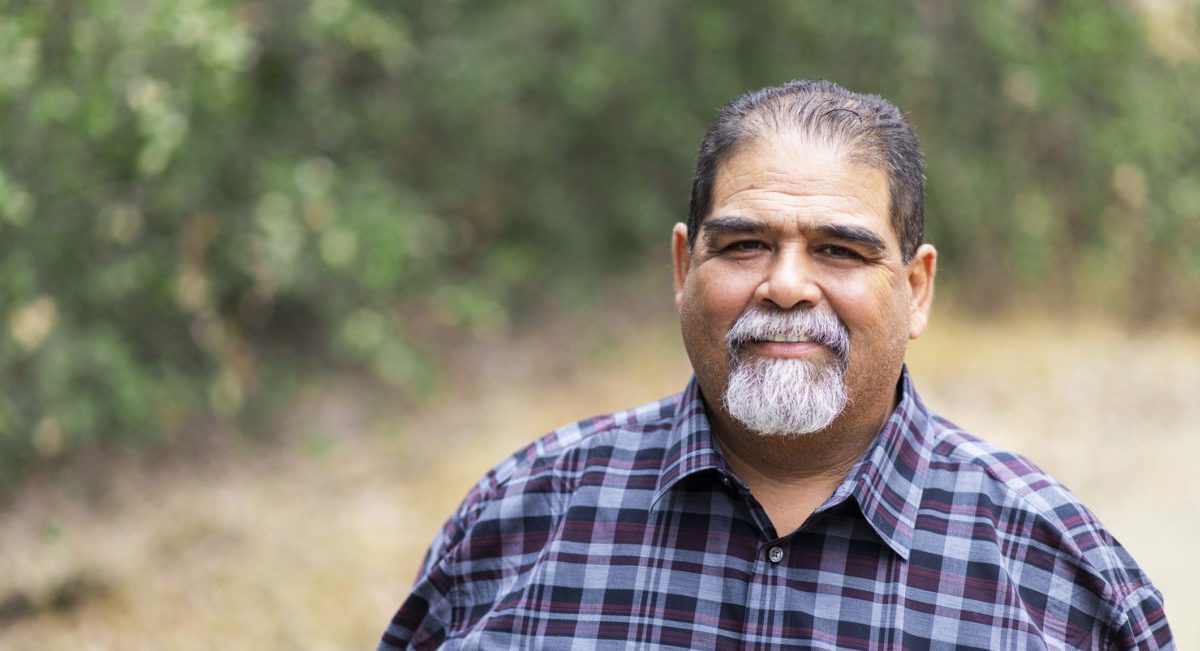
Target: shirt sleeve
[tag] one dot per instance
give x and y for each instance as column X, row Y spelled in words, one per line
column 420, row 621
column 423, row 619
column 1144, row 623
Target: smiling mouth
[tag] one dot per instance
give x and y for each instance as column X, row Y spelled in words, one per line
column 796, row 339
column 785, row 347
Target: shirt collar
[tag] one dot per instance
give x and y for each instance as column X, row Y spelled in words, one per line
column 887, row 482
column 692, row 448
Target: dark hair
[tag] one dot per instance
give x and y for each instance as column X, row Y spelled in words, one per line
column 872, row 128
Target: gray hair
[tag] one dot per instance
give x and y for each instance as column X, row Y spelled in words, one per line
column 872, row 129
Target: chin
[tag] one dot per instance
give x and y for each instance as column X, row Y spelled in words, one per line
column 785, row 397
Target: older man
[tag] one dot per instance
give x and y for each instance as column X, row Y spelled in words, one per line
column 797, row 493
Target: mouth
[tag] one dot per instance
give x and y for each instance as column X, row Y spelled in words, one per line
column 784, row 347
column 785, row 339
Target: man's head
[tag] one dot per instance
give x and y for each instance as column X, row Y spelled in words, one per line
column 871, row 130
column 800, row 275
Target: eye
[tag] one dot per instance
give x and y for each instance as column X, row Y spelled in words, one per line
column 838, row 252
column 742, row 246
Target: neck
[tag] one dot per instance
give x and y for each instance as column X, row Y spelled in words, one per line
column 791, row 476
column 824, row 456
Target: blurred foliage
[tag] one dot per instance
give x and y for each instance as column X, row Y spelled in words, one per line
column 194, row 194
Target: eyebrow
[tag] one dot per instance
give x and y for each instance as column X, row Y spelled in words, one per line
column 854, row 234
column 718, row 226
column 849, row 233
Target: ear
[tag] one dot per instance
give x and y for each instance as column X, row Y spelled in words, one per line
column 682, row 257
column 921, row 272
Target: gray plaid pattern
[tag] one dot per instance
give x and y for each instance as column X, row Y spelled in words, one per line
column 628, row 531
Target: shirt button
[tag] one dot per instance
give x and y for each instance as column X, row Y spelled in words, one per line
column 775, row 554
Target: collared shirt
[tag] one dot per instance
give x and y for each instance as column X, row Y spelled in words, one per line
column 629, row 531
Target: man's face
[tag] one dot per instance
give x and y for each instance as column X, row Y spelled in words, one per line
column 794, row 227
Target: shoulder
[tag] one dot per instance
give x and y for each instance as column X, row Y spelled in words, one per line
column 535, row 480
column 610, row 440
column 565, row 448
column 979, row 465
column 501, row 527
column 1018, row 495
column 1052, row 545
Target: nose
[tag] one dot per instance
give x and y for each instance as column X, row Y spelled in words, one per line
column 789, row 282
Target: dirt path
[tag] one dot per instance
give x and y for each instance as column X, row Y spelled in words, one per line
column 311, row 544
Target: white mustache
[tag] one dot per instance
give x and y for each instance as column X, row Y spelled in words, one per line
column 820, row 326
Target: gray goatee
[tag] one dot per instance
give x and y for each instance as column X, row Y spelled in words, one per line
column 787, row 397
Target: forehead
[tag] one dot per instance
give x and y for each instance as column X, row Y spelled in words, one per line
column 805, row 179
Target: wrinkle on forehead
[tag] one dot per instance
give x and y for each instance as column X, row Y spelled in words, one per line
column 773, row 178
column 796, row 185
column 791, row 144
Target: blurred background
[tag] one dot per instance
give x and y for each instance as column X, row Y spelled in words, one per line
column 281, row 278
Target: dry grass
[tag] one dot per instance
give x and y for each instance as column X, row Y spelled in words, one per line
column 311, row 544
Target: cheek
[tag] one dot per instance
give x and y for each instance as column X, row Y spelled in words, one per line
column 859, row 294
column 873, row 307
column 719, row 298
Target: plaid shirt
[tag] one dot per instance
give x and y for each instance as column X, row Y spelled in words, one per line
column 629, row 531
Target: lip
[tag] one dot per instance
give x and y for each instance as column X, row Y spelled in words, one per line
column 783, row 349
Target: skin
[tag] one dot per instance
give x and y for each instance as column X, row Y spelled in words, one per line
column 795, row 225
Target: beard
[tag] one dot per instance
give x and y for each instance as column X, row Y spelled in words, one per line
column 787, row 397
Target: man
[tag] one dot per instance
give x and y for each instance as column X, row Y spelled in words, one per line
column 797, row 493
